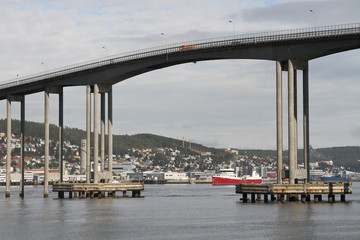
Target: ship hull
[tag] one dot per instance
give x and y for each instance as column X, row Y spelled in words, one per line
column 233, row 180
column 334, row 179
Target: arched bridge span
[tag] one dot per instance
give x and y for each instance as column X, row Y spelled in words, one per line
column 300, row 45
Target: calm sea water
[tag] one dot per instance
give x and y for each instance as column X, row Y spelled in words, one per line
column 175, row 212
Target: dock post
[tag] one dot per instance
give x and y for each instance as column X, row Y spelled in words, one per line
column 303, row 198
column 253, row 197
column 331, row 198
column 272, row 197
column 244, row 197
column 258, row 197
column 124, row 194
column 342, row 197
column 60, row 194
column 293, row 197
column 266, row 199
column 136, row 194
column 70, row 195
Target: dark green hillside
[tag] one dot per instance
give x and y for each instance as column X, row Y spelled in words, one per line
column 343, row 156
column 121, row 142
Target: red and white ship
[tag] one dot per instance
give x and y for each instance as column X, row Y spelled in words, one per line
column 228, row 177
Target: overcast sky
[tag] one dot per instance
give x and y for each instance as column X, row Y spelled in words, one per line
column 227, row 103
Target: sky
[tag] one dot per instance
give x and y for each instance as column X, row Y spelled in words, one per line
column 222, row 103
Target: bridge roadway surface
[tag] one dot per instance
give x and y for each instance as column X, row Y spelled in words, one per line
column 299, row 45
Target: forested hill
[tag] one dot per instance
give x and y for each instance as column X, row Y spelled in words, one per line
column 342, row 156
column 121, row 142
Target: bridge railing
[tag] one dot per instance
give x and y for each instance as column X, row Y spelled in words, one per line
column 199, row 45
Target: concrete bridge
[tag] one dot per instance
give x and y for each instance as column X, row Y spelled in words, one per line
column 290, row 49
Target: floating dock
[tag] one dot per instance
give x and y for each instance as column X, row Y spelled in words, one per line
column 292, row 192
column 99, row 190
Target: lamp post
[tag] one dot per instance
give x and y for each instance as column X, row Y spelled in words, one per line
column 163, row 34
column 107, row 55
column 233, row 28
column 45, row 67
column 314, row 13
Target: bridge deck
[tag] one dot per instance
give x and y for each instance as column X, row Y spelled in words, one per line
column 292, row 191
column 98, row 189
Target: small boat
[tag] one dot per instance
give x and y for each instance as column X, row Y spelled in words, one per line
column 332, row 178
column 228, row 177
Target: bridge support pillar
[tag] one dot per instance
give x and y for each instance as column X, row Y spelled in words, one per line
column 291, row 66
column 61, row 133
column 9, row 101
column 98, row 90
column 22, row 147
column 306, row 120
column 48, row 91
column 102, row 130
column 88, row 134
column 96, row 132
column 46, row 162
column 110, row 133
column 8, row 147
column 279, row 121
column 292, row 123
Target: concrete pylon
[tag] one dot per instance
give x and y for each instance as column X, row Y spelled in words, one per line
column 306, row 130
column 291, row 123
column 47, row 145
column 88, row 133
column 61, row 133
column 279, row 121
column 102, row 132
column 8, row 148
column 96, row 133
column 22, row 149
column 110, row 131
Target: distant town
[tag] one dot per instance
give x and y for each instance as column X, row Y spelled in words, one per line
column 160, row 165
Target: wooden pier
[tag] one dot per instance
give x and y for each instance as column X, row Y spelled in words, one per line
column 99, row 190
column 292, row 192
